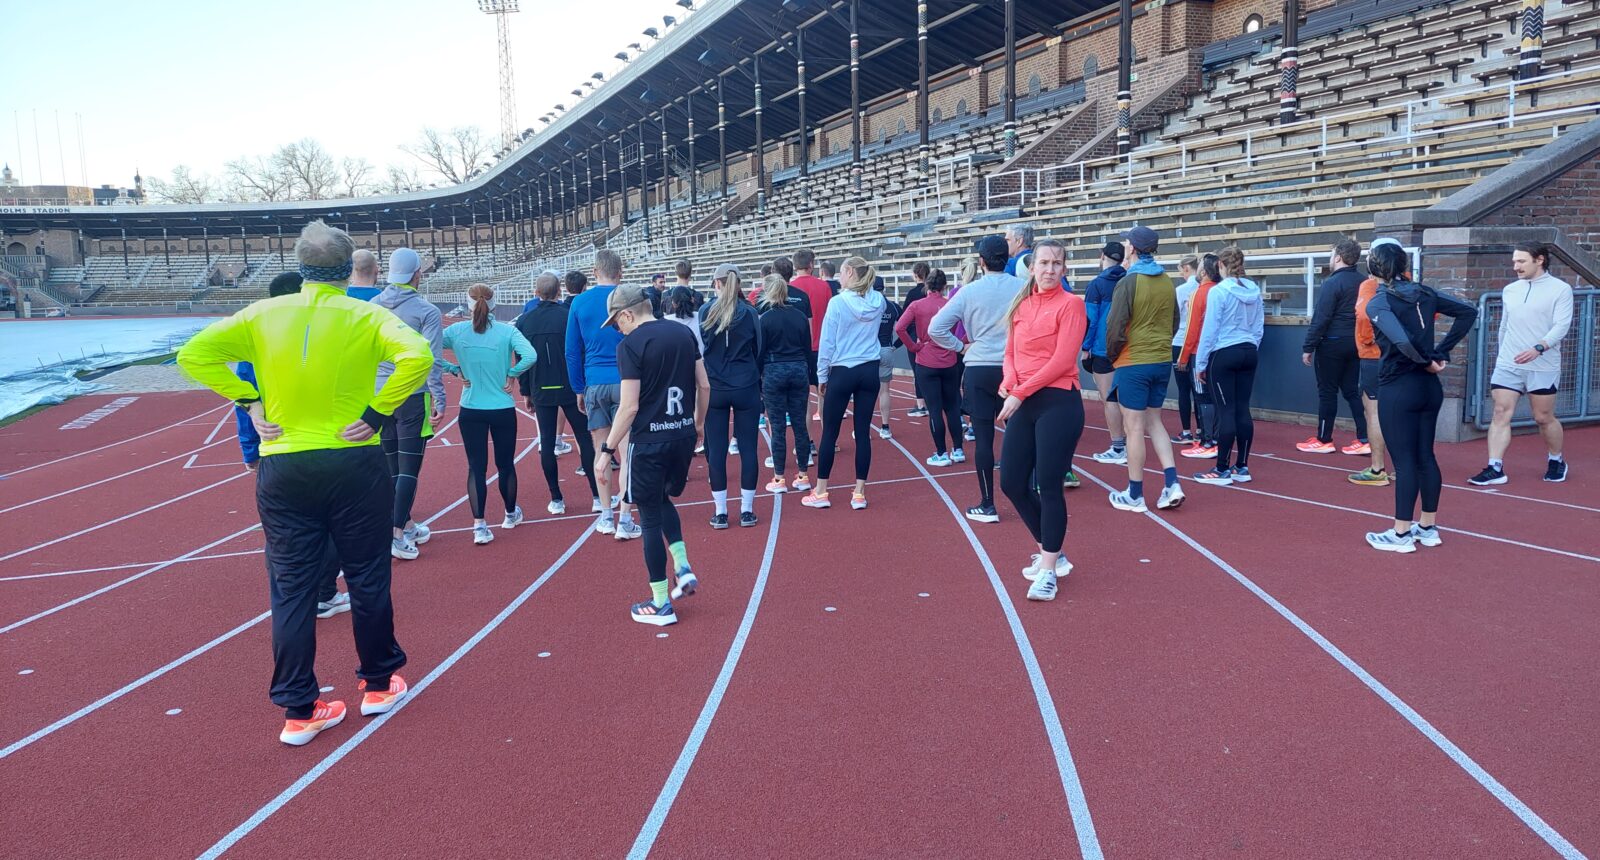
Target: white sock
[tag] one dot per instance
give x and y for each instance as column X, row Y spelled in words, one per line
column 1555, row 458
column 1496, row 464
column 747, row 500
column 625, row 516
column 720, row 499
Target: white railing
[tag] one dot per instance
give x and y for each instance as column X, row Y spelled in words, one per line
column 1088, row 174
column 803, row 227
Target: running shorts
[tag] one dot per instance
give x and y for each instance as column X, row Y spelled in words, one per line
column 601, row 402
column 1524, row 381
column 885, row 364
column 658, row 470
column 1142, row 386
column 1369, row 377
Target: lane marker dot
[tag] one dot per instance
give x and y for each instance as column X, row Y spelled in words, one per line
column 661, row 635
column 326, row 690
column 922, row 594
column 26, row 672
column 544, row 653
column 174, row 712
column 830, row 609
column 1144, row 561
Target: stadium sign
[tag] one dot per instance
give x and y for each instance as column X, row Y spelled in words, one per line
column 34, row 210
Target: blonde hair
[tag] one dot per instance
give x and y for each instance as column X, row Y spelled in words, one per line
column 865, row 275
column 1031, row 284
column 1233, row 259
column 720, row 315
column 970, row 270
column 774, row 291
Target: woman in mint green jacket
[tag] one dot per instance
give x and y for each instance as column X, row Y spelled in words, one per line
column 484, row 352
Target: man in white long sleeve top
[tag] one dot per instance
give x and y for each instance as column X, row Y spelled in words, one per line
column 1537, row 316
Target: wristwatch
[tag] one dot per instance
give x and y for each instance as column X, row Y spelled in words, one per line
column 607, row 449
column 1540, row 348
column 246, row 402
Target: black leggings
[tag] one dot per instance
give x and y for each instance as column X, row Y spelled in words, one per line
column 1408, row 414
column 1042, row 438
column 403, row 447
column 783, row 388
column 1231, row 375
column 859, row 383
column 941, row 388
column 745, row 406
column 477, row 425
column 547, row 445
column 1338, row 367
column 982, row 385
column 1188, row 404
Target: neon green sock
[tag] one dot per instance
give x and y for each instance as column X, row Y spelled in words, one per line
column 658, row 591
column 680, row 554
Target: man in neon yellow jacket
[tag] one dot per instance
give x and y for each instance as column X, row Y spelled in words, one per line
column 323, row 476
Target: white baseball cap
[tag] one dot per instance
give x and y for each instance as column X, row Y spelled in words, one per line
column 403, row 265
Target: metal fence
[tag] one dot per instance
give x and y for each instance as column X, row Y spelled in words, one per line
column 1578, row 391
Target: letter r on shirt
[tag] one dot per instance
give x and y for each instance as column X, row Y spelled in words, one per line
column 674, row 401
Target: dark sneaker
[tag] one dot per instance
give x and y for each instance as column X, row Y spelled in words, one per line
column 1489, row 475
column 983, row 514
column 1556, row 472
column 719, row 521
column 747, row 519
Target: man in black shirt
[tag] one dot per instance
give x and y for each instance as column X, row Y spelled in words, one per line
column 664, row 395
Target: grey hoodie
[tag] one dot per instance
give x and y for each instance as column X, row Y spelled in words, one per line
column 981, row 306
column 849, row 331
column 421, row 315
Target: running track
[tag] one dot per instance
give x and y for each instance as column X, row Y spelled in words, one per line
column 1242, row 677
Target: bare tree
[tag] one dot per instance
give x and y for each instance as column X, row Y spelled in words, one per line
column 185, row 186
column 357, row 177
column 454, row 155
column 259, row 179
column 315, row 175
column 401, row 180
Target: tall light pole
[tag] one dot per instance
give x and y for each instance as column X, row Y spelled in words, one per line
column 508, row 107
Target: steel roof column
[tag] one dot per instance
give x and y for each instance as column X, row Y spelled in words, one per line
column 805, row 148
column 923, row 149
column 722, row 147
column 588, row 192
column 1531, row 50
column 855, row 102
column 666, row 167
column 644, row 183
column 761, row 147
column 1289, row 62
column 243, row 240
column 694, row 166
column 1011, row 79
column 605, row 183
column 1125, row 78
column 166, row 251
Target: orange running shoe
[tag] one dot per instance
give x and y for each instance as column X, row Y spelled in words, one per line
column 1200, row 451
column 1358, row 448
column 374, row 703
column 324, row 715
column 858, row 501
column 1313, row 445
column 777, row 485
column 813, row 500
column 802, row 482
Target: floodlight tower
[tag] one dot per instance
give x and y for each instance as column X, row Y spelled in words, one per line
column 508, row 103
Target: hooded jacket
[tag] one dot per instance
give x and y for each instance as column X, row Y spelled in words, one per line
column 982, row 306
column 1402, row 315
column 732, row 356
column 425, row 319
column 1335, row 314
column 849, row 331
column 1234, row 315
column 545, row 327
column 1097, row 302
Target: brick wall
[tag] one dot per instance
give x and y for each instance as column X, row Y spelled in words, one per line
column 946, row 98
column 1571, row 203
column 1228, row 16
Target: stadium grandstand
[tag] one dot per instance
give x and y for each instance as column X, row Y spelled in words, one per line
column 903, row 131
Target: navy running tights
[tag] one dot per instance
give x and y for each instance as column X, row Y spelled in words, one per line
column 1408, row 414
column 1042, row 438
column 859, row 383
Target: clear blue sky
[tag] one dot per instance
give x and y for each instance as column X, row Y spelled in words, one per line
column 167, row 82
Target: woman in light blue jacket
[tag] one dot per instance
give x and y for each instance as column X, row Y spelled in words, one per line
column 847, row 369
column 1225, row 362
column 483, row 349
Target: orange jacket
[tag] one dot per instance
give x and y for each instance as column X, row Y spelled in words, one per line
column 1042, row 347
column 1366, row 344
column 1197, row 319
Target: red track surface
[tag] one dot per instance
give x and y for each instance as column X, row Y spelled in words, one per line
column 1201, row 722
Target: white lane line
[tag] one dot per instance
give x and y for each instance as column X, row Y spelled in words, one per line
column 1474, row 490
column 1455, row 753
column 129, row 566
column 124, row 581
column 488, row 482
column 190, row 454
column 349, row 746
column 1077, row 803
column 221, row 421
column 16, row 472
column 124, row 517
column 708, row 712
column 1332, row 507
column 107, row 699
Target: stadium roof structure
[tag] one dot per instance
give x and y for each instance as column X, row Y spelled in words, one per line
column 726, row 41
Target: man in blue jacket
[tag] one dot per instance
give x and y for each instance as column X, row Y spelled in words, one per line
column 1097, row 302
column 592, row 368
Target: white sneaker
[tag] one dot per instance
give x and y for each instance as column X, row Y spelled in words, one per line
column 628, row 531
column 769, row 463
column 938, row 460
column 557, row 507
column 1171, row 497
column 481, row 534
column 402, row 549
column 606, row 526
column 597, row 508
column 1426, row 536
column 1388, row 541
column 1031, row 572
column 885, row 433
column 958, row 456
column 733, row 446
column 563, row 447
column 513, row 518
column 1044, row 587
column 1111, row 456
column 1123, row 501
column 339, row 603
column 418, row 533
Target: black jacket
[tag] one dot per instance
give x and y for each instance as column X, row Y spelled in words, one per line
column 1335, row 313
column 1402, row 317
column 733, row 357
column 785, row 335
column 546, row 328
column 891, row 315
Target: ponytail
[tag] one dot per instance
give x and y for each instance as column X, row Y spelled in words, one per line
column 865, row 275
column 482, row 298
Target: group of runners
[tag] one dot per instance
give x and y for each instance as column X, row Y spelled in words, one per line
column 339, row 388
